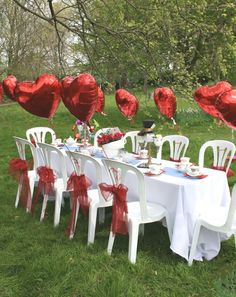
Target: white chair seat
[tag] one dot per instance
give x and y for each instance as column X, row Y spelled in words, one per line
column 155, row 212
column 217, row 217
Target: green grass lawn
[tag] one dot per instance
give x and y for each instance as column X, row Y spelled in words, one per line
column 38, row 260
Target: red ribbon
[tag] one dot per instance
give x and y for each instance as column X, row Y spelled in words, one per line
column 172, row 159
column 79, row 185
column 222, row 168
column 18, row 168
column 46, row 182
column 119, row 222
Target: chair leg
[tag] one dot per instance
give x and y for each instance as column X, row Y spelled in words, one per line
column 57, row 211
column 29, row 203
column 45, row 199
column 101, row 215
column 110, row 242
column 18, row 192
column 133, row 241
column 168, row 225
column 194, row 243
column 76, row 217
column 141, row 229
column 92, row 223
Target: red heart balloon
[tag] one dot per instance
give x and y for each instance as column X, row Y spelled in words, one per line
column 127, row 103
column 206, row 97
column 9, row 85
column 100, row 101
column 41, row 97
column 1, row 92
column 226, row 105
column 80, row 94
column 165, row 101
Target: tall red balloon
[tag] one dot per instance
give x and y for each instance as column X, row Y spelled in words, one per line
column 80, row 94
column 127, row 103
column 1, row 92
column 9, row 85
column 165, row 101
column 206, row 97
column 226, row 106
column 100, row 101
column 41, row 97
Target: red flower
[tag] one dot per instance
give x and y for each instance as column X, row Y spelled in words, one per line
column 109, row 136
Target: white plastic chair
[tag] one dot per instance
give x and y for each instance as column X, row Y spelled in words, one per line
column 133, row 136
column 39, row 134
column 79, row 162
column 139, row 212
column 60, row 184
column 103, row 130
column 32, row 174
column 222, row 219
column 222, row 151
column 178, row 146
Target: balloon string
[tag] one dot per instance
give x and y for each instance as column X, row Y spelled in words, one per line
column 174, row 122
column 52, row 124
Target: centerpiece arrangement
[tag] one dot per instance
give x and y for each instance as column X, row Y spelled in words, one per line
column 111, row 141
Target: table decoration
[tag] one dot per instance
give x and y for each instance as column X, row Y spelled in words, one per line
column 112, row 141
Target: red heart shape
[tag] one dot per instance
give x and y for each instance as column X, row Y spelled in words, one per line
column 80, row 94
column 9, row 85
column 127, row 103
column 226, row 105
column 206, row 97
column 1, row 92
column 100, row 101
column 165, row 101
column 41, row 97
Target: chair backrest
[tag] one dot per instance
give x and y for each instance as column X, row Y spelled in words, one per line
column 222, row 151
column 39, row 134
column 178, row 146
column 100, row 131
column 231, row 213
column 79, row 162
column 133, row 136
column 21, row 147
column 54, row 159
column 122, row 169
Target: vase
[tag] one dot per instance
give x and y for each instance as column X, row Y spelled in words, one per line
column 112, row 149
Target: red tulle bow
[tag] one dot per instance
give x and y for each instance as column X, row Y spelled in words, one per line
column 18, row 168
column 119, row 222
column 46, row 182
column 222, row 168
column 79, row 185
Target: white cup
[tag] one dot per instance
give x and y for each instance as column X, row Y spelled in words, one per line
column 184, row 160
column 143, row 154
column 155, row 168
column 194, row 169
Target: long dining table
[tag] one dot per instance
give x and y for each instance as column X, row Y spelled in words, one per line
column 184, row 197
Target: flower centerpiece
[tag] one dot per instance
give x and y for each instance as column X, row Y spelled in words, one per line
column 111, row 142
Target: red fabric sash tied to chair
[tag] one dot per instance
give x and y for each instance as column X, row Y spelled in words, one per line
column 221, row 168
column 79, row 185
column 119, row 222
column 46, row 182
column 18, row 168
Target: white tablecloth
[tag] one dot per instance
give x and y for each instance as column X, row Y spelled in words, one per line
column 184, row 198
